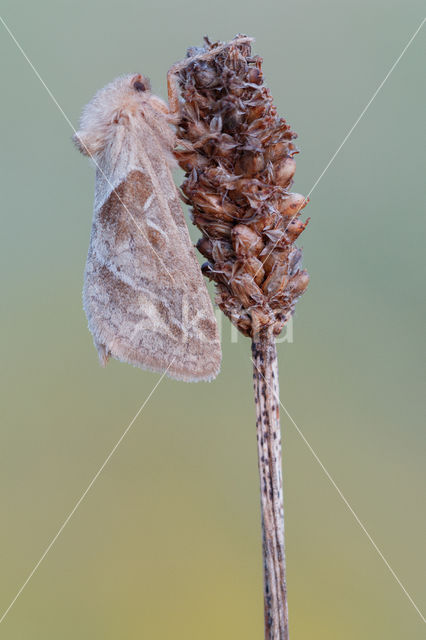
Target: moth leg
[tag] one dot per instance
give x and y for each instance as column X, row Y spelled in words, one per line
column 173, row 89
column 87, row 143
column 159, row 104
column 103, row 354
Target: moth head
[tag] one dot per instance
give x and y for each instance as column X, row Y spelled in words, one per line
column 115, row 103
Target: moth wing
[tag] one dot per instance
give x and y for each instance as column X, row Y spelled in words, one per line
column 144, row 294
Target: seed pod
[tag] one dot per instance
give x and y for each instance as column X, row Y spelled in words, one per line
column 254, row 75
column 212, row 228
column 246, row 290
column 291, row 204
column 196, row 129
column 284, row 171
column 212, row 203
column 246, row 241
column 276, row 151
column 295, row 228
column 256, row 112
column 299, row 282
column 205, row 76
column 250, row 164
column 190, row 160
column 277, row 237
column 270, row 255
column 238, row 155
column 255, row 268
column 250, row 266
column 276, row 280
column 222, row 251
column 265, row 220
column 218, row 272
column 205, row 246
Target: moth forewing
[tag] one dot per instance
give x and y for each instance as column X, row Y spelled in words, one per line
column 144, row 294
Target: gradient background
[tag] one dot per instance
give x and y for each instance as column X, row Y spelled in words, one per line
column 167, row 543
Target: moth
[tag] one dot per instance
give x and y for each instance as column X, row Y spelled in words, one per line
column 144, row 295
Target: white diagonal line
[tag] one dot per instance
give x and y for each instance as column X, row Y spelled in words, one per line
column 366, row 107
column 92, row 482
column 76, row 506
column 345, row 139
column 113, row 450
column 339, row 491
column 80, row 500
column 82, row 143
column 354, row 514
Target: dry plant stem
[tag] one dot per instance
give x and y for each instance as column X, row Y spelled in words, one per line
column 238, row 158
column 266, row 393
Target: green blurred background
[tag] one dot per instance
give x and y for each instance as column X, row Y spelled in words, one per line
column 167, row 543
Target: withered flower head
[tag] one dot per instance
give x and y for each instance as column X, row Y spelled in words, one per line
column 238, row 155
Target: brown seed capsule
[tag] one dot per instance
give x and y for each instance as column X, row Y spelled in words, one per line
column 212, row 203
column 246, row 290
column 205, row 246
column 291, row 204
column 189, row 160
column 251, row 266
column 254, row 75
column 196, row 129
column 294, row 260
column 276, row 280
column 271, row 255
column 224, row 146
column 265, row 221
column 276, row 151
column 205, row 75
column 246, row 241
column 256, row 269
column 212, row 228
column 295, row 228
column 250, row 164
column 299, row 282
column 261, row 317
column 256, row 112
column 238, row 188
column 221, row 272
column 277, row 237
column 284, row 170
column 221, row 251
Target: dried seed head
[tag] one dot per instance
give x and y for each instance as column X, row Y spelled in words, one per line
column 238, row 158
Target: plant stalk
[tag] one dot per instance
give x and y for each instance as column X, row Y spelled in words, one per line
column 266, row 394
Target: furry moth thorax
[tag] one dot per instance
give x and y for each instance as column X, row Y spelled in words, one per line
column 121, row 102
